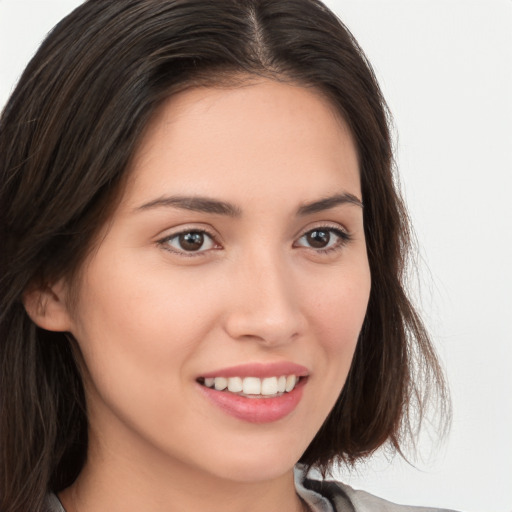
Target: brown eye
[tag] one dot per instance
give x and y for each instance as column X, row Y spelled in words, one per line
column 323, row 239
column 189, row 241
column 318, row 238
column 192, row 241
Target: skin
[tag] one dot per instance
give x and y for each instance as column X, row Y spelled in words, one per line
column 151, row 317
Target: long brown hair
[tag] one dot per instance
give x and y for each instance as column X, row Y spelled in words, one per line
column 67, row 135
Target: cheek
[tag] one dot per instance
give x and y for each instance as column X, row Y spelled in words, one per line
column 131, row 301
column 140, row 332
column 137, row 336
column 340, row 306
column 338, row 312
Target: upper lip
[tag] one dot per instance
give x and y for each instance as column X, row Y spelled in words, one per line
column 261, row 370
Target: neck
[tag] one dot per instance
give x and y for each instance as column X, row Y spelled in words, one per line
column 119, row 485
column 231, row 498
column 127, row 472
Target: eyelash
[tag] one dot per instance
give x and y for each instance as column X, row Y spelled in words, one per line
column 164, row 242
column 343, row 239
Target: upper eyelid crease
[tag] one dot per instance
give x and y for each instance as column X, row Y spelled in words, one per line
column 340, row 232
column 184, row 231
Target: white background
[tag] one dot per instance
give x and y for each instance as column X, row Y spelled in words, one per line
column 446, row 70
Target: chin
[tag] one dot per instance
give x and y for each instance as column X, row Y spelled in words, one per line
column 257, row 462
column 248, row 471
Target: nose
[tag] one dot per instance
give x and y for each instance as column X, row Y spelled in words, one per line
column 265, row 305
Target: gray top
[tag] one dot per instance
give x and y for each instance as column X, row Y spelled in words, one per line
column 321, row 496
column 52, row 504
column 331, row 496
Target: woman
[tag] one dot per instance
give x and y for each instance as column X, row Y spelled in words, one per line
column 203, row 263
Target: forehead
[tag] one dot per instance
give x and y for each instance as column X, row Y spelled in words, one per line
column 260, row 138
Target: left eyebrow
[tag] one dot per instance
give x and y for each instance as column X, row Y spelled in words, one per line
column 194, row 203
column 328, row 203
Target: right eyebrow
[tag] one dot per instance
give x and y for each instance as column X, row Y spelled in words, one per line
column 329, row 202
column 194, row 203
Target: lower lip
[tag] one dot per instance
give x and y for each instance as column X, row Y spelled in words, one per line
column 256, row 410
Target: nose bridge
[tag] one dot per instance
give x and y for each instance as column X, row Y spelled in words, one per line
column 265, row 305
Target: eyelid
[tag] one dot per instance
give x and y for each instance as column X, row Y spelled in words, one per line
column 163, row 241
column 327, row 225
column 340, row 231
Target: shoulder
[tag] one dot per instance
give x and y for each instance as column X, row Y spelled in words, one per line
column 346, row 499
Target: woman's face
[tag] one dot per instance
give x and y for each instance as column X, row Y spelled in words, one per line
column 237, row 256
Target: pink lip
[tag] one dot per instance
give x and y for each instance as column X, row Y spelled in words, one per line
column 260, row 370
column 256, row 410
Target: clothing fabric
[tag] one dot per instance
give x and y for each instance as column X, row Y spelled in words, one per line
column 53, row 504
column 332, row 496
column 320, row 496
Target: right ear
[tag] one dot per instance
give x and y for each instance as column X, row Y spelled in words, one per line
column 47, row 307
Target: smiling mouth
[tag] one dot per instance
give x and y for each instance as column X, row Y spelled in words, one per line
column 252, row 387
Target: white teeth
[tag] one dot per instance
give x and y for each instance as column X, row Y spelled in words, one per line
column 220, row 383
column 252, row 386
column 290, row 382
column 235, row 384
column 268, row 386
